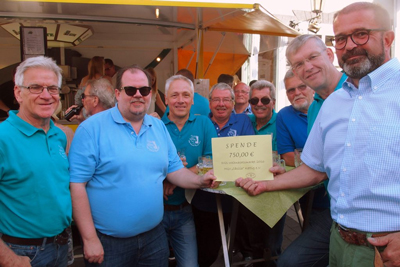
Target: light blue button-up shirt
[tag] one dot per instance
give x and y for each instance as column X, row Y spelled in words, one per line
column 356, row 141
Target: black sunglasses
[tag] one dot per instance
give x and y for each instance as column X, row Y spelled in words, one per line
column 131, row 91
column 254, row 101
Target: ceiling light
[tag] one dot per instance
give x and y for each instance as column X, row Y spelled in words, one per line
column 157, row 12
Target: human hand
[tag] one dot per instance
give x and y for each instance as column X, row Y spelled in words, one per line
column 93, row 250
column 168, row 189
column 276, row 169
column 20, row 261
column 391, row 254
column 79, row 117
column 208, row 180
column 252, row 187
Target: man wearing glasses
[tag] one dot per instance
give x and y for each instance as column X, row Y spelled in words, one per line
column 311, row 61
column 97, row 97
column 226, row 123
column 291, row 121
column 354, row 144
column 35, row 202
column 118, row 161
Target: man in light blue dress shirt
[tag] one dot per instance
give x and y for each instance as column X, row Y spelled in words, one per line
column 357, row 148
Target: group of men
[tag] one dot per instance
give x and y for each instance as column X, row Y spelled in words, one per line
column 117, row 199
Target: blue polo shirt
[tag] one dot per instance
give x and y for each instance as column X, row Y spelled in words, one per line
column 316, row 105
column 35, row 201
column 124, row 171
column 201, row 106
column 195, row 138
column 291, row 129
column 238, row 124
column 269, row 128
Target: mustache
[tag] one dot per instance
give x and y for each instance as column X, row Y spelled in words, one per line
column 355, row 52
column 137, row 100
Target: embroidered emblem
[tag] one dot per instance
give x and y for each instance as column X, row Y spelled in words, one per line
column 232, row 132
column 152, row 146
column 194, row 140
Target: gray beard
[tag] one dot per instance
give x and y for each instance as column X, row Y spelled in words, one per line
column 368, row 65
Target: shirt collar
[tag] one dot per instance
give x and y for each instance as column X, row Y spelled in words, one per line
column 117, row 117
column 25, row 127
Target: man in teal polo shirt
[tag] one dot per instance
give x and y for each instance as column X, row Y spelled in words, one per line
column 35, row 202
column 191, row 135
column 262, row 101
column 312, row 62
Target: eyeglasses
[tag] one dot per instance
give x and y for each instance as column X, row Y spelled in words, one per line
column 38, row 89
column 311, row 59
column 224, row 100
column 84, row 96
column 359, row 37
column 254, row 101
column 131, row 91
column 291, row 91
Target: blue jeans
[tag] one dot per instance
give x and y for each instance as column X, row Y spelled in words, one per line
column 146, row 249
column 49, row 255
column 311, row 248
column 181, row 233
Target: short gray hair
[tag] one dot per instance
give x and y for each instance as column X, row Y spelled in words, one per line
column 175, row 78
column 221, row 87
column 299, row 41
column 381, row 15
column 289, row 74
column 103, row 89
column 261, row 84
column 37, row 62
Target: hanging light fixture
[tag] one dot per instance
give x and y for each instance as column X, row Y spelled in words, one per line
column 58, row 34
column 317, row 6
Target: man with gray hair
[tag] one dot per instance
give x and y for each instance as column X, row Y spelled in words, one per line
column 35, row 201
column 191, row 135
column 312, row 62
column 356, row 145
column 242, row 94
column 226, row 123
column 291, row 121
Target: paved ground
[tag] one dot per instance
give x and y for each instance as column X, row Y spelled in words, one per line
column 291, row 231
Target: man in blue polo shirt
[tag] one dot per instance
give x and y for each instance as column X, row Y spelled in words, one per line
column 291, row 121
column 119, row 159
column 192, row 138
column 35, row 202
column 226, row 123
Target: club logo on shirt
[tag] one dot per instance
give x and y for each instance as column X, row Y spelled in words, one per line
column 61, row 151
column 194, row 140
column 152, row 146
column 232, row 132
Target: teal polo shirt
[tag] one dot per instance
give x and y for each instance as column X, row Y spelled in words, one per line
column 35, row 201
column 195, row 138
column 269, row 128
column 316, row 105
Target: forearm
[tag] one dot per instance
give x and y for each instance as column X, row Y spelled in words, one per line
column 185, row 178
column 81, row 211
column 9, row 259
column 300, row 177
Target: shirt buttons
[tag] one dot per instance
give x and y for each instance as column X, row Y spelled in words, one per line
column 131, row 132
column 344, row 169
column 348, row 144
column 375, row 87
column 353, row 119
column 360, row 97
column 342, row 194
column 341, row 216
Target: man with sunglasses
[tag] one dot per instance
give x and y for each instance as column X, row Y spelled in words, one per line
column 262, row 101
column 35, row 202
column 354, row 144
column 118, row 161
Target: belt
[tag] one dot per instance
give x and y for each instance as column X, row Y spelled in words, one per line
column 175, row 207
column 60, row 239
column 354, row 237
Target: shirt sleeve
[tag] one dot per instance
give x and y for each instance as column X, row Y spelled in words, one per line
column 247, row 126
column 82, row 156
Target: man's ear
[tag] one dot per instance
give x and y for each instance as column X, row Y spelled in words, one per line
column 17, row 94
column 330, row 54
